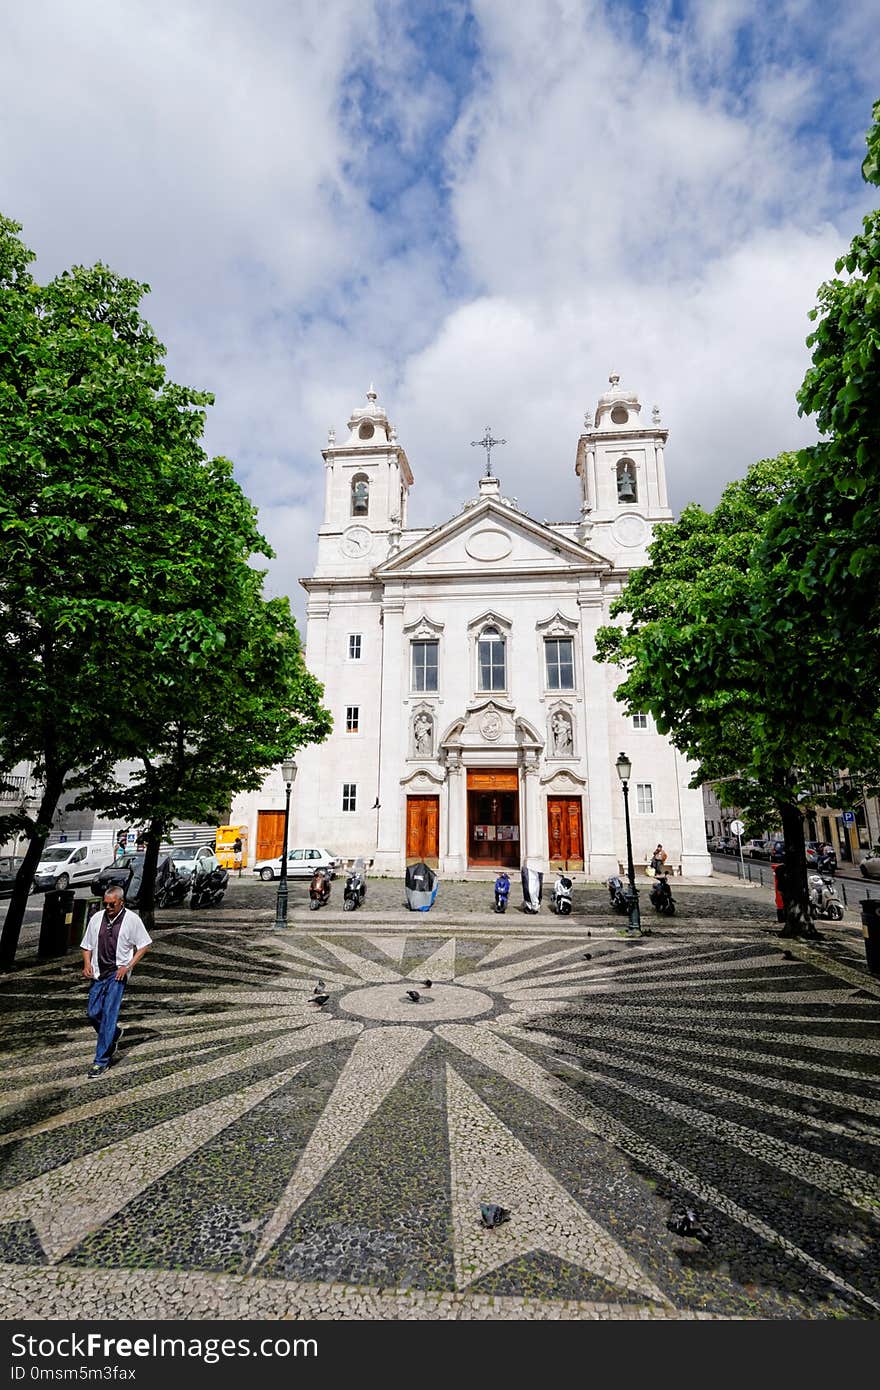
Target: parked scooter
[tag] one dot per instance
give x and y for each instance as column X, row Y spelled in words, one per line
column 826, row 861
column 560, row 898
column 171, row 885
column 208, row 886
column 319, row 889
column 502, row 891
column 355, row 887
column 661, row 895
column 618, row 894
column 824, row 901
column 532, row 888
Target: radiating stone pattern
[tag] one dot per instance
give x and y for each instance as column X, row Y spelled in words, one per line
column 308, row 1161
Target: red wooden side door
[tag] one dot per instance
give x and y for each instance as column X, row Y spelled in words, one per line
column 565, row 833
column 270, row 834
column 423, row 830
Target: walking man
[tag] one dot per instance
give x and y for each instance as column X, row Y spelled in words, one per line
column 114, row 942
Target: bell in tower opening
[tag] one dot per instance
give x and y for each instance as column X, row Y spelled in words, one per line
column 360, row 495
column 626, row 481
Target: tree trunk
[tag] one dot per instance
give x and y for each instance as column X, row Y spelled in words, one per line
column 25, row 877
column 147, row 901
column 798, row 921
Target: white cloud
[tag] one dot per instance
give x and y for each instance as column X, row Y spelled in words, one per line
column 661, row 197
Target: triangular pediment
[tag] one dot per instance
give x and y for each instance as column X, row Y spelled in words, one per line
column 492, row 537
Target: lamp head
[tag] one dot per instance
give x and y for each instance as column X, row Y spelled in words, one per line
column 288, row 770
column 624, row 767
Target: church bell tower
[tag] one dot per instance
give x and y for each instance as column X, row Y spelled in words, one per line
column 622, row 473
column 366, row 485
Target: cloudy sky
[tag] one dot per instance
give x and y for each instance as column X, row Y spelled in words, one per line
column 481, row 206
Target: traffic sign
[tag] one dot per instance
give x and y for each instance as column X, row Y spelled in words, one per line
column 131, row 837
column 849, row 817
column 737, row 827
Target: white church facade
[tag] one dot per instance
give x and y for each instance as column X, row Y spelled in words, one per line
column 472, row 727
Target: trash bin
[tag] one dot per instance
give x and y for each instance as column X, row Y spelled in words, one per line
column 55, row 923
column 77, row 921
column 871, row 932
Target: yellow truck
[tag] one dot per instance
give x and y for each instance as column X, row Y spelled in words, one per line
column 231, row 847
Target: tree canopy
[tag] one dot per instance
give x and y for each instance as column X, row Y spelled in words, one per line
column 127, row 595
column 697, row 655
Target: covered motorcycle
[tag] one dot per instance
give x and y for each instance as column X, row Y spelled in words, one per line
column 355, row 887
column 502, row 891
column 208, row 883
column 319, row 889
column 421, row 885
column 532, row 888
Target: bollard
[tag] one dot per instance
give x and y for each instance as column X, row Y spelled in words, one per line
column 77, row 921
column 871, row 932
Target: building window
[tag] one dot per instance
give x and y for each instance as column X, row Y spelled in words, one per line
column 645, row 798
column 559, row 656
column 424, row 665
column 640, row 721
column 491, row 660
column 349, row 796
column 352, row 718
column 354, row 646
column 360, row 495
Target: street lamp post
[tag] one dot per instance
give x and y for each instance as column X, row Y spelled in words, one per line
column 288, row 772
column 624, row 770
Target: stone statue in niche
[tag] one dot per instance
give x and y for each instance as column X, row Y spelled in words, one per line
column 626, row 482
column 561, row 726
column 423, row 734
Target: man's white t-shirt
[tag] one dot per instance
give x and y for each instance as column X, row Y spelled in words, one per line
column 132, row 936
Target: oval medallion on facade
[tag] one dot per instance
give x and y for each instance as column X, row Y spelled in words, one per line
column 488, row 544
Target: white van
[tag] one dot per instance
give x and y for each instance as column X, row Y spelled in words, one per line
column 64, row 866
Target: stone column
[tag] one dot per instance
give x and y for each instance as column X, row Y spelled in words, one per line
column 328, row 489
column 391, row 849
column 661, row 475
column 532, row 846
column 455, row 861
column 601, row 855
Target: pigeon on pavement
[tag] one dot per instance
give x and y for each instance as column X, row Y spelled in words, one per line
column 414, row 995
column 687, row 1223
column 427, row 984
column 320, row 998
column 492, row 1214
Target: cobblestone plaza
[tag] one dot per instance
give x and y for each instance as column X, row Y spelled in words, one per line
column 253, row 1155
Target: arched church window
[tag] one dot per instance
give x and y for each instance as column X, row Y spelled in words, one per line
column 627, row 488
column 360, row 495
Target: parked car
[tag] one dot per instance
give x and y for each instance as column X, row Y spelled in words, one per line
column 128, row 872
column 777, row 850
column 870, row 866
column 756, row 849
column 188, row 858
column 76, row 861
column 726, row 844
column 301, row 863
column 9, row 867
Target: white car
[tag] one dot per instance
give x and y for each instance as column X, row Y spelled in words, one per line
column 74, row 861
column 189, row 857
column 301, row 863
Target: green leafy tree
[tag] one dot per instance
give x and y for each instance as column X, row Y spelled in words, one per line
column 825, row 529
column 252, row 703
column 122, row 545
column 706, row 651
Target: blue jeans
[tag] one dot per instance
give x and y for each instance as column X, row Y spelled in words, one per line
column 105, row 997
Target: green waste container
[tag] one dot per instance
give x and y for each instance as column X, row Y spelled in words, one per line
column 55, row 923
column 77, row 921
column 871, row 932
